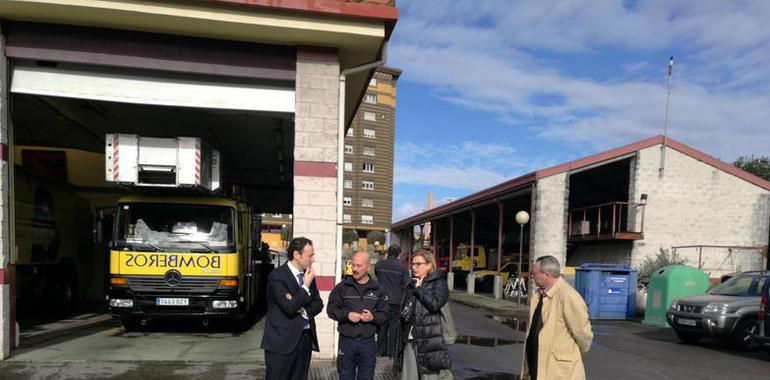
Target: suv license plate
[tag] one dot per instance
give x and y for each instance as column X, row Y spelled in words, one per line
column 172, row 301
column 686, row 322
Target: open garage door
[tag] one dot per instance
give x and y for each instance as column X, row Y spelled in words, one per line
column 60, row 113
column 128, row 86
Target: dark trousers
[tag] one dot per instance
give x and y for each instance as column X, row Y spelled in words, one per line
column 356, row 358
column 291, row 366
column 388, row 332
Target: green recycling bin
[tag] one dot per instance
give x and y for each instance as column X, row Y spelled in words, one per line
column 666, row 285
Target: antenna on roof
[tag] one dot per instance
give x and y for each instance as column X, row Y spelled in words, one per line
column 665, row 119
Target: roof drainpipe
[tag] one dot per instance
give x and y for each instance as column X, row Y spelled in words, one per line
column 341, row 148
column 341, row 157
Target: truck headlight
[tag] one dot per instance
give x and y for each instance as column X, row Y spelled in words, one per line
column 117, row 302
column 229, row 304
column 675, row 305
column 716, row 308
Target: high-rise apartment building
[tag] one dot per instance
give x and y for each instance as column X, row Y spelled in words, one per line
column 368, row 166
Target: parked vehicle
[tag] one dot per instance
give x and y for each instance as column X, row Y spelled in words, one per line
column 485, row 278
column 728, row 311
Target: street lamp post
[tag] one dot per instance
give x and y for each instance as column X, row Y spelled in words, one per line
column 522, row 218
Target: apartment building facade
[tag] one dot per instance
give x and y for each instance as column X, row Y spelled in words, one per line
column 368, row 163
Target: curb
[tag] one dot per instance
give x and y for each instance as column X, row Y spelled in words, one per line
column 54, row 333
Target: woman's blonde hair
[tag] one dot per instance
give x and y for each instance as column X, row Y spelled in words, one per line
column 428, row 257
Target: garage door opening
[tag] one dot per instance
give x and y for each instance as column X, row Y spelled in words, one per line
column 63, row 208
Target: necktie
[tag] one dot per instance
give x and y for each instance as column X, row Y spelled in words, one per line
column 533, row 339
column 301, row 280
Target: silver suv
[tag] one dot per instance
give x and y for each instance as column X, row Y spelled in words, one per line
column 728, row 311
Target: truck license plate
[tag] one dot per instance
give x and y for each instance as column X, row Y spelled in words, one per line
column 172, row 301
column 686, row 322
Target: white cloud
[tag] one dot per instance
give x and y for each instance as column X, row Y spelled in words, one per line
column 468, row 165
column 513, row 60
column 406, row 210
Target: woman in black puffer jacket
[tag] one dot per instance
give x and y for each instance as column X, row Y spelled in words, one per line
column 423, row 354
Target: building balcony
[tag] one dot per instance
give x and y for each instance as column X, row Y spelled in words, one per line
column 607, row 221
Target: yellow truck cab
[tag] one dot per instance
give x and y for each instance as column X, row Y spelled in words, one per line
column 462, row 259
column 461, row 264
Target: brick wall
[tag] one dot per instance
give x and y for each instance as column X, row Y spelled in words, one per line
column 549, row 217
column 315, row 147
column 698, row 204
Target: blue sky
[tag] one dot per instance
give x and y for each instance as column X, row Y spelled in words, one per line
column 495, row 89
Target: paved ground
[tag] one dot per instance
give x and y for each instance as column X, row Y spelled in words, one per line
column 489, row 347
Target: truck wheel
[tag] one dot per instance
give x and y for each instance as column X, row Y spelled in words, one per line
column 689, row 337
column 131, row 323
column 743, row 335
column 488, row 284
column 241, row 322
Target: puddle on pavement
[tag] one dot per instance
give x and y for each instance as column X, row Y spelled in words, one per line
column 512, row 322
column 496, row 376
column 482, row 341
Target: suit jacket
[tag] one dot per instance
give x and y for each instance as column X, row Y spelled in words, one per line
column 283, row 322
column 566, row 334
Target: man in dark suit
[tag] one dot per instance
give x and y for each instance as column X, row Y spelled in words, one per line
column 292, row 303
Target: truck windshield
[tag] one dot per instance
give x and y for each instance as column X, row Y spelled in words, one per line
column 169, row 227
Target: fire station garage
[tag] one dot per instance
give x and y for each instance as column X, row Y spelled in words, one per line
column 264, row 111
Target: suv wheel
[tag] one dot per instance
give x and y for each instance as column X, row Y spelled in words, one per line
column 743, row 335
column 689, row 337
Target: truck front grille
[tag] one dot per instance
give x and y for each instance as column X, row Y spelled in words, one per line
column 157, row 284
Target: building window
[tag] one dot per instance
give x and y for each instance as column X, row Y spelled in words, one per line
column 347, row 201
column 368, row 151
column 349, row 149
column 348, row 166
column 346, row 218
column 370, row 98
column 367, row 202
column 351, row 132
column 369, row 133
column 370, row 116
column 367, row 185
column 367, row 219
column 348, row 183
column 373, row 82
column 368, row 167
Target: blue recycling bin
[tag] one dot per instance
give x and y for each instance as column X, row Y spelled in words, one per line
column 609, row 290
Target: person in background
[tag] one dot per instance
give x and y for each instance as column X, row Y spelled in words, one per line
column 559, row 329
column 359, row 305
column 293, row 302
column 393, row 278
column 423, row 353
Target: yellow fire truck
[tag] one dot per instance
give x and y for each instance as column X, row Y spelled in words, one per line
column 177, row 255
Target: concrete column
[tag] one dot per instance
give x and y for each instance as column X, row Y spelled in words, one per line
column 7, row 278
column 470, row 280
column 549, row 218
column 315, row 175
column 497, row 289
column 450, row 278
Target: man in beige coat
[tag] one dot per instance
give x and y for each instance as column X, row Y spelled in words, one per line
column 560, row 331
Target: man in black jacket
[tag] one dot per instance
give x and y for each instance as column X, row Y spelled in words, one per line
column 358, row 305
column 393, row 277
column 292, row 303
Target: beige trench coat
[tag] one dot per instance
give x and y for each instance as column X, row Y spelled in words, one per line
column 565, row 336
